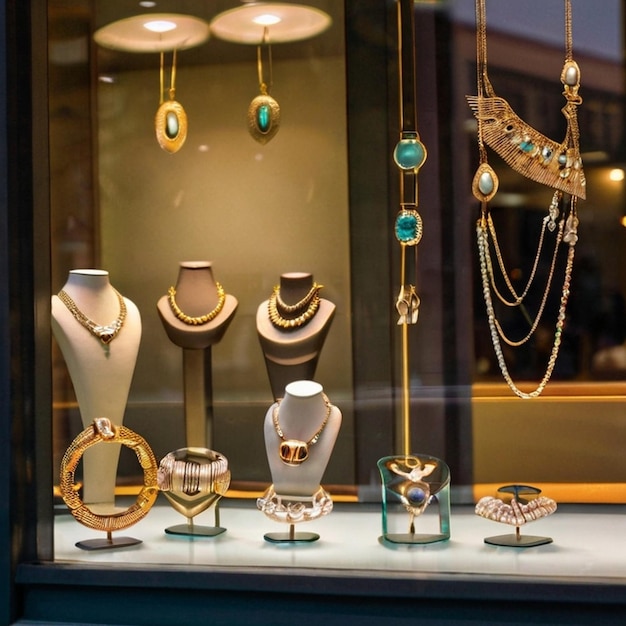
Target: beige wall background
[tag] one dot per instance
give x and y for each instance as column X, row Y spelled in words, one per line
column 254, row 211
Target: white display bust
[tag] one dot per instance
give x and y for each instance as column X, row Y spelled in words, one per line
column 101, row 374
column 301, row 413
column 292, row 354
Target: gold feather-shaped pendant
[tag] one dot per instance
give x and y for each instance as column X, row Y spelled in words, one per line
column 526, row 150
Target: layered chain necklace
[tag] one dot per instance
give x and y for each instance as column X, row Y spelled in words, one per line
column 292, row 316
column 295, row 451
column 104, row 332
column 202, row 319
column 556, row 165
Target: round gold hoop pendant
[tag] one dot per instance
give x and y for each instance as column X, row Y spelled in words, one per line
column 263, row 118
column 170, row 125
column 102, row 431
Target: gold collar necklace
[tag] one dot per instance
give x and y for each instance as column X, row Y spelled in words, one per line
column 105, row 333
column 293, row 316
column 294, row 451
column 202, row 319
column 538, row 158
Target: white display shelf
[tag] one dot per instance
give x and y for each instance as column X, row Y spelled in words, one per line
column 588, row 545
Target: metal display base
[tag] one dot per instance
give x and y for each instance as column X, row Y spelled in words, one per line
column 291, row 537
column 109, row 543
column 190, row 530
column 517, row 541
column 412, row 538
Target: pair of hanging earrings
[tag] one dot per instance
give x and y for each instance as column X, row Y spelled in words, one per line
column 170, row 121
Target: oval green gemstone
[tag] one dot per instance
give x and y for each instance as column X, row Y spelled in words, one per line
column 409, row 154
column 263, row 118
column 171, row 125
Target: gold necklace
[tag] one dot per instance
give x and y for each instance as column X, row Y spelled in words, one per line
column 105, row 333
column 202, row 319
column 294, row 451
column 298, row 306
column 542, row 160
column 289, row 323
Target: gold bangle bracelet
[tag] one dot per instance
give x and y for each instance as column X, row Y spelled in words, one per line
column 102, row 431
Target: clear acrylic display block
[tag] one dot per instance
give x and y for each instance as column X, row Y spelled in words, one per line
column 412, row 487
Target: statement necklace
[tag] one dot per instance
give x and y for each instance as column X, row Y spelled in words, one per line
column 105, row 333
column 294, row 451
column 556, row 165
column 290, row 316
column 202, row 319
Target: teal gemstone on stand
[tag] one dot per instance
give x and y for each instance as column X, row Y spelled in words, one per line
column 408, row 227
column 409, row 154
column 263, row 118
column 171, row 125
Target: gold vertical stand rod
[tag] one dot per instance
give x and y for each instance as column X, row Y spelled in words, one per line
column 406, row 68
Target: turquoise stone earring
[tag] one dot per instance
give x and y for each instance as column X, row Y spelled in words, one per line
column 263, row 116
column 264, row 111
column 170, row 121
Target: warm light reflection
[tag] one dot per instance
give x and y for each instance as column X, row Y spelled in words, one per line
column 160, row 26
column 623, row 221
column 267, row 19
column 616, row 174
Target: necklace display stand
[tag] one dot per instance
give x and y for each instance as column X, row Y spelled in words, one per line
column 292, row 353
column 193, row 480
column 524, row 505
column 194, row 320
column 410, row 482
column 300, row 433
column 99, row 339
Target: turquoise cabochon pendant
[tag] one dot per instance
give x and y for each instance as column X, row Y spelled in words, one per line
column 410, row 152
column 263, row 118
column 170, row 124
column 408, row 227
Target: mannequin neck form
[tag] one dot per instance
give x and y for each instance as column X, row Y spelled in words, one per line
column 303, row 413
column 294, row 286
column 92, row 280
column 196, row 288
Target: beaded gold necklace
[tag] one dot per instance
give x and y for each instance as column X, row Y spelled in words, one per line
column 202, row 319
column 289, row 317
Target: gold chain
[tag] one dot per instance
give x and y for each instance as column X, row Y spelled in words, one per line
column 202, row 319
column 286, row 323
column 105, row 333
column 485, row 185
column 298, row 306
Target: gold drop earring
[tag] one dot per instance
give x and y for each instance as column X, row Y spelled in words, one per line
column 264, row 111
column 170, row 121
